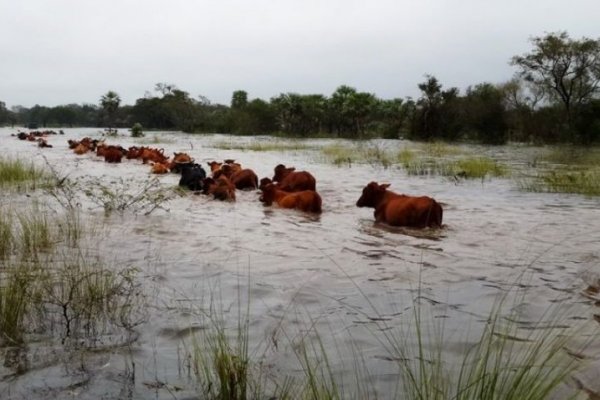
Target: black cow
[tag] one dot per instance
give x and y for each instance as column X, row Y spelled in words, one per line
column 192, row 176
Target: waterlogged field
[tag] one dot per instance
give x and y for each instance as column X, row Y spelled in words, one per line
column 197, row 298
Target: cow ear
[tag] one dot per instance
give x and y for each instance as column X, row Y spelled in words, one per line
column 384, row 185
column 292, row 169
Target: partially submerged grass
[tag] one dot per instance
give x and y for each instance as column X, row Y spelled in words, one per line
column 573, row 155
column 28, row 232
column 468, row 168
column 86, row 299
column 564, row 180
column 154, row 139
column 505, row 362
column 15, row 302
column 341, row 154
column 479, row 167
column 20, row 174
column 34, row 233
column 440, row 149
column 48, row 285
column 262, row 145
column 508, row 359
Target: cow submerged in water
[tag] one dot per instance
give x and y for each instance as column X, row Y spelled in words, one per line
column 306, row 200
column 399, row 209
column 290, row 180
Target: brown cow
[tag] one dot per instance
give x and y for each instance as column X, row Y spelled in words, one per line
column 81, row 149
column 214, row 166
column 221, row 188
column 43, row 143
column 182, row 158
column 133, row 152
column 264, row 182
column 113, row 154
column 401, row 210
column 154, row 155
column 234, row 167
column 306, row 200
column 159, row 168
column 245, row 179
column 290, row 180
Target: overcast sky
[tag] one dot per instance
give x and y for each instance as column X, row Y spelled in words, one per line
column 72, row 51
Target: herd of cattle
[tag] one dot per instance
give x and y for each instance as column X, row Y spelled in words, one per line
column 287, row 188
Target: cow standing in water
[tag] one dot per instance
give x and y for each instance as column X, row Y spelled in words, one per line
column 401, row 210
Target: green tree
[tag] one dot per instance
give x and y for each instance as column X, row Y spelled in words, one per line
column 4, row 113
column 239, row 99
column 351, row 110
column 182, row 109
column 567, row 69
column 437, row 112
column 485, row 113
column 110, row 105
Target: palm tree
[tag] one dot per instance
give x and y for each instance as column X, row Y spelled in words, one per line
column 110, row 104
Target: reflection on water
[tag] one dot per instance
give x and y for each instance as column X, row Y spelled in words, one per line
column 339, row 271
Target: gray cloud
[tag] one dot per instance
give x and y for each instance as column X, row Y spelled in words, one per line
column 67, row 51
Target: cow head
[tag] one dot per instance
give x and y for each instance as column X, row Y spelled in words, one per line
column 372, row 194
column 182, row 158
column 281, row 172
column 214, row 166
column 268, row 193
column 264, row 182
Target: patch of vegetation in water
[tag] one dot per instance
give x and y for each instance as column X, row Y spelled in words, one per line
column 261, row 145
column 15, row 173
column 50, row 285
column 573, row 156
column 508, row 359
column 467, row 168
column 341, row 154
column 564, row 180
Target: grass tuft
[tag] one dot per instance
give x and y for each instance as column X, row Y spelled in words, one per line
column 15, row 302
column 17, row 173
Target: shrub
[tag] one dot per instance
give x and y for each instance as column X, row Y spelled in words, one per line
column 136, row 130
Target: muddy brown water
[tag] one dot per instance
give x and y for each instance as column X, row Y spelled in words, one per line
column 339, row 272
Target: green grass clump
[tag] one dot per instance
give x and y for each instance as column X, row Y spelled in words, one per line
column 406, row 156
column 15, row 302
column 340, row 154
column 467, row 168
column 563, row 180
column 6, row 234
column 35, row 234
column 222, row 365
column 479, row 167
column 14, row 172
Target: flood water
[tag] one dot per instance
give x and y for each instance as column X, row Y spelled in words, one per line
column 339, row 273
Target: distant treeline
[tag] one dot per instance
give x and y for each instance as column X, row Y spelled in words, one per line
column 554, row 97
